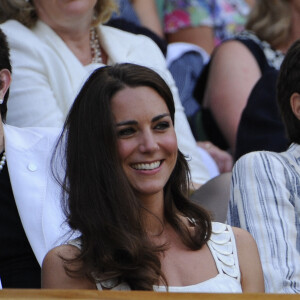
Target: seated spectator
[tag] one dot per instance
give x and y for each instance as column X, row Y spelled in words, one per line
column 55, row 47
column 30, row 215
column 265, row 195
column 144, row 235
column 238, row 64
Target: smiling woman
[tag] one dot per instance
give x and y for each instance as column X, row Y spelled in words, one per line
column 125, row 192
column 146, row 139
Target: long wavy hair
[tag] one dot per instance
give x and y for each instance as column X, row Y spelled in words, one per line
column 98, row 199
column 25, row 12
column 271, row 21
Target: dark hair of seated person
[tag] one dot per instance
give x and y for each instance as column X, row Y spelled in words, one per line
column 98, row 199
column 4, row 64
column 287, row 84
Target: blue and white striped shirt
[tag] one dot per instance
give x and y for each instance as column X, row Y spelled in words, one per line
column 265, row 200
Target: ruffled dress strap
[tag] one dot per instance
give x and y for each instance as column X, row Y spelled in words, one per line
column 104, row 284
column 223, row 248
column 75, row 242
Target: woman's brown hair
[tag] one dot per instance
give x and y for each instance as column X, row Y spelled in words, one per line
column 98, row 199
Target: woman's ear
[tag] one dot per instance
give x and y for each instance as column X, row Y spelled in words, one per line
column 5, row 80
column 295, row 104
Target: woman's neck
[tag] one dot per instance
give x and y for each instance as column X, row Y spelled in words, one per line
column 78, row 42
column 153, row 213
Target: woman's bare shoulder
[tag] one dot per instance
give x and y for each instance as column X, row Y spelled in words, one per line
column 252, row 279
column 54, row 272
column 242, row 235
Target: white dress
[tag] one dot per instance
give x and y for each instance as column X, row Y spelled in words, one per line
column 223, row 248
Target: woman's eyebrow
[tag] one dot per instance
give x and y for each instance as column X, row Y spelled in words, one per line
column 129, row 122
column 160, row 117
column 133, row 122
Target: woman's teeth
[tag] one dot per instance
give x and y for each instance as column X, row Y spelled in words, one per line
column 145, row 166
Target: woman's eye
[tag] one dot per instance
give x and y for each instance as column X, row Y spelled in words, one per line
column 126, row 132
column 162, row 125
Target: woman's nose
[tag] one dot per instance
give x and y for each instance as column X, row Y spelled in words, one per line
column 148, row 142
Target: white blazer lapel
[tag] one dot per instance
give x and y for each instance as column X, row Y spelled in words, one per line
column 72, row 73
column 116, row 43
column 28, row 152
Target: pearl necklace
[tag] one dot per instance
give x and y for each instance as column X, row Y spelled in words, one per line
column 2, row 161
column 95, row 46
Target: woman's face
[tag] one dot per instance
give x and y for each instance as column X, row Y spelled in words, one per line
column 61, row 13
column 146, row 138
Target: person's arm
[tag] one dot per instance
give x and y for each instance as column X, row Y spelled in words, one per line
column 252, row 279
column 148, row 15
column 233, row 73
column 264, row 201
column 54, row 275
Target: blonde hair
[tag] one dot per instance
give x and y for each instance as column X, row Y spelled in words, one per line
column 25, row 12
column 271, row 21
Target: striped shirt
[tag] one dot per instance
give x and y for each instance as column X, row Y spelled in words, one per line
column 265, row 200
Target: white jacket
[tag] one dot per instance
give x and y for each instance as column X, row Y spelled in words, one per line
column 47, row 76
column 37, row 194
